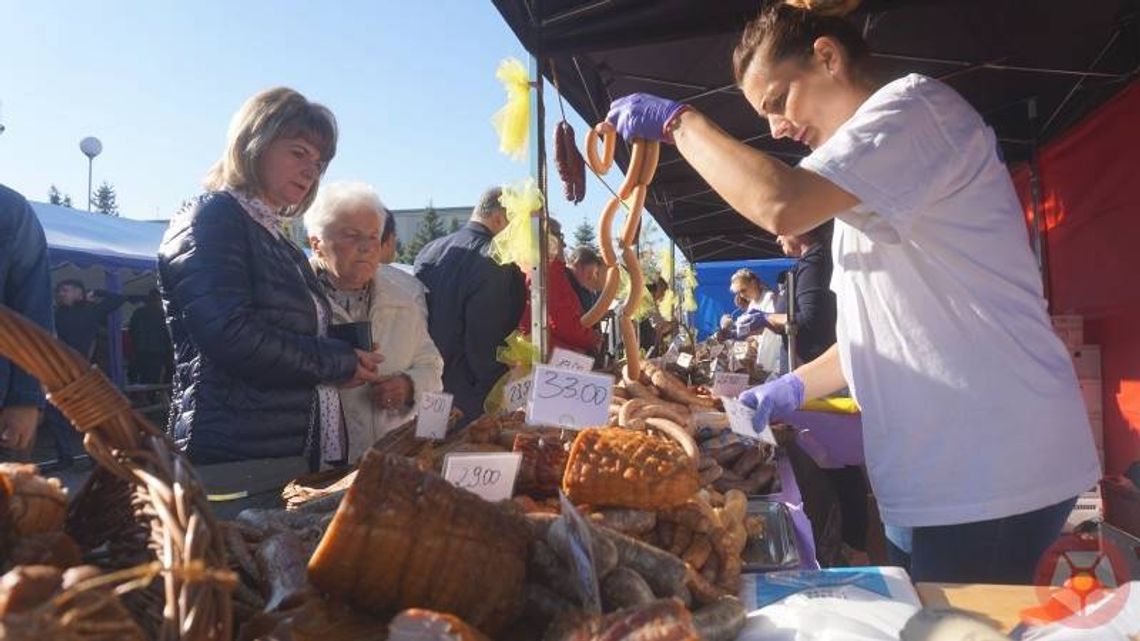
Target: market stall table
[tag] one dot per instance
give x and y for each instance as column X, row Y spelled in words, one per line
column 1001, row 604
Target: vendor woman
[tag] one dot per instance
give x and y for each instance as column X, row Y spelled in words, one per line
column 975, row 434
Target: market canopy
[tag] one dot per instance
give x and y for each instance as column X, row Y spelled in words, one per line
column 85, row 239
column 1031, row 68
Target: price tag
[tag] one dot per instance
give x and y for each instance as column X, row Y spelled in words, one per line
column 569, row 399
column 566, row 359
column 730, row 385
column 740, row 350
column 740, row 421
column 432, row 415
column 684, row 360
column 491, row 476
column 517, row 393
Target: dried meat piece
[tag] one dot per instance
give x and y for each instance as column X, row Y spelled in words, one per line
column 622, row 468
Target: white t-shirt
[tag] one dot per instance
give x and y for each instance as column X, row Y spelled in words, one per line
column 971, row 409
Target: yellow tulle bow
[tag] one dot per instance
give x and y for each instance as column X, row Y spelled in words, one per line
column 512, row 122
column 517, row 353
column 668, row 302
column 516, row 244
column 688, row 287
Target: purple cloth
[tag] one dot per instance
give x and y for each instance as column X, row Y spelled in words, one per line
column 832, row 440
column 790, row 495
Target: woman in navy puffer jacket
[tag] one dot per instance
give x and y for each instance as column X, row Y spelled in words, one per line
column 255, row 373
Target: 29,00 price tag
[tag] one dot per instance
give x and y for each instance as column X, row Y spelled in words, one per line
column 728, row 384
column 432, row 415
column 516, row 394
column 566, row 359
column 491, row 476
column 569, row 399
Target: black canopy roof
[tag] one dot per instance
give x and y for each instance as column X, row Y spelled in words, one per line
column 1004, row 56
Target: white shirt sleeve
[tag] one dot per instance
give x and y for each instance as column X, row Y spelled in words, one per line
column 904, row 149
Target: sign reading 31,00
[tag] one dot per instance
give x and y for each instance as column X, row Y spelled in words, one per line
column 570, row 399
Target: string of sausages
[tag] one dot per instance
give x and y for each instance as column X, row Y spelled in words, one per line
column 642, row 167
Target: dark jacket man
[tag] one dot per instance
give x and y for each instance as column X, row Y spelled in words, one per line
column 25, row 287
column 473, row 304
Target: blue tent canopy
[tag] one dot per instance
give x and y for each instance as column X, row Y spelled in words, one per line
column 85, row 239
column 713, row 297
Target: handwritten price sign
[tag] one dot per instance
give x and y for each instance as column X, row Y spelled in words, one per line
column 517, row 393
column 566, row 359
column 730, row 385
column 740, row 420
column 569, row 399
column 491, row 476
column 431, row 418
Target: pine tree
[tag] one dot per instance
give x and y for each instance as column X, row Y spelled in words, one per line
column 105, row 200
column 56, row 197
column 431, row 227
column 584, row 235
column 453, row 226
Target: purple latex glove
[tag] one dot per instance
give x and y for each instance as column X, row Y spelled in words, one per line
column 643, row 115
column 774, row 400
column 750, row 322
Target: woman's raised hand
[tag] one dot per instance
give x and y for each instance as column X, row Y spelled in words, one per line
column 366, row 363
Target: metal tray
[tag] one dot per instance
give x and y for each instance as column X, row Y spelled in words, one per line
column 776, row 550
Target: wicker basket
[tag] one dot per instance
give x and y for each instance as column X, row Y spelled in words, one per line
column 143, row 504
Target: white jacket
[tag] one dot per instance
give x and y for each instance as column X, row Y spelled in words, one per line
column 399, row 329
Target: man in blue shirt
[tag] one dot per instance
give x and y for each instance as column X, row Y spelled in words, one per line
column 25, row 287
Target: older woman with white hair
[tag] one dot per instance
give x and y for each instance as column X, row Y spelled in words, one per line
column 345, row 228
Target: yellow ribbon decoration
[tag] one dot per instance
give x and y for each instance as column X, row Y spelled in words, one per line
column 515, row 244
column 667, row 304
column 517, row 353
column 688, row 287
column 512, row 122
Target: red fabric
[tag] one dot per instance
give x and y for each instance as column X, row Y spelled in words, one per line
column 563, row 312
column 1090, row 193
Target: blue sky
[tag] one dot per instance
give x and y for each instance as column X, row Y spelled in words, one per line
column 412, row 85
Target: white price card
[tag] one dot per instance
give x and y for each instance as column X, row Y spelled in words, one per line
column 684, row 360
column 566, row 359
column 432, row 415
column 491, row 476
column 730, row 385
column 569, row 399
column 517, row 393
column 740, row 419
column 740, row 350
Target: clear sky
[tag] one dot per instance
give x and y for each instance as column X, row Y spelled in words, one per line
column 412, row 85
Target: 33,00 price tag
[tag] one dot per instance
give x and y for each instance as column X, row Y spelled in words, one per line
column 728, row 384
column 491, row 476
column 432, row 415
column 569, row 399
column 566, row 359
column 517, row 393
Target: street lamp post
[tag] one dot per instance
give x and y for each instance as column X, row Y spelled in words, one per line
column 91, row 147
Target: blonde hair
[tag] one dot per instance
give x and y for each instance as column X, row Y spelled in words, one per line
column 264, row 118
column 745, row 276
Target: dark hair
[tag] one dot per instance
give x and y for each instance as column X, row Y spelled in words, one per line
column 658, row 285
column 785, row 32
column 389, row 226
column 585, row 255
column 72, row 282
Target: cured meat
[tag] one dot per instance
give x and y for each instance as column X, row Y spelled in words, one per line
column 403, row 538
column 623, row 468
column 571, row 165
